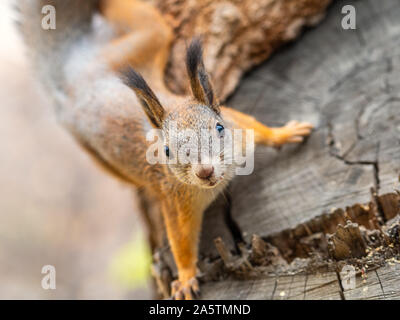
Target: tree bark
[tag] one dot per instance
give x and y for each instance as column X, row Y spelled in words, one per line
column 237, row 34
column 287, row 230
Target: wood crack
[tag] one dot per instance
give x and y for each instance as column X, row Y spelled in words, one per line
column 341, row 292
column 335, row 153
column 231, row 224
column 380, row 284
column 324, row 243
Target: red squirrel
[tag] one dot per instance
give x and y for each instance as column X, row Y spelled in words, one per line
column 110, row 113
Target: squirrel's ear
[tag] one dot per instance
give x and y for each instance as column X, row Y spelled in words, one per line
column 151, row 106
column 199, row 80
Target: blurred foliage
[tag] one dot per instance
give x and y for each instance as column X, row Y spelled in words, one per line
column 130, row 266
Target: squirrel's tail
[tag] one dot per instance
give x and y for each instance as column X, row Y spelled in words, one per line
column 47, row 47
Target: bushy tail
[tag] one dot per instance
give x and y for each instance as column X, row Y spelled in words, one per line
column 47, row 48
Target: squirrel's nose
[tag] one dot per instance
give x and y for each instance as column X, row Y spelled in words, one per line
column 204, row 171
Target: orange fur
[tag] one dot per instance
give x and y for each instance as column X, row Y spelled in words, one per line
column 144, row 42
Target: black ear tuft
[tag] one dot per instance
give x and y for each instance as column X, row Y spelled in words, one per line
column 151, row 105
column 199, row 80
column 134, row 80
column 194, row 57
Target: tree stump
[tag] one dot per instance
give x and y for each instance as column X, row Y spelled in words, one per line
column 287, row 230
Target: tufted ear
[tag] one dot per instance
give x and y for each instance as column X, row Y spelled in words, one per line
column 199, row 81
column 151, row 105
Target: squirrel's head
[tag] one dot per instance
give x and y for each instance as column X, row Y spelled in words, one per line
column 197, row 143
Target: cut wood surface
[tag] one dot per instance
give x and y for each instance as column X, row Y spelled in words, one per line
column 383, row 283
column 297, row 287
column 346, row 83
column 380, row 284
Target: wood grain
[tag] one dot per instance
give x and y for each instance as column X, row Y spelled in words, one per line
column 380, row 284
column 237, row 34
column 346, row 83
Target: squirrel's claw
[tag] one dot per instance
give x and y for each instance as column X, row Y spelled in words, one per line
column 187, row 290
column 292, row 132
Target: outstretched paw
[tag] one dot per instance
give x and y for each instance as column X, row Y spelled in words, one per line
column 187, row 290
column 292, row 132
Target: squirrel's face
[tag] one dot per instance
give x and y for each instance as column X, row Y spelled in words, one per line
column 197, row 146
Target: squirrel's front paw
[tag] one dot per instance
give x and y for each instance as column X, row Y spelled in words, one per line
column 185, row 290
column 292, row 132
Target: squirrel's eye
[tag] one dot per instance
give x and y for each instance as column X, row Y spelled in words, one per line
column 166, row 149
column 220, row 128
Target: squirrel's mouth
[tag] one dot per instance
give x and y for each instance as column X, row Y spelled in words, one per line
column 210, row 185
column 210, row 182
